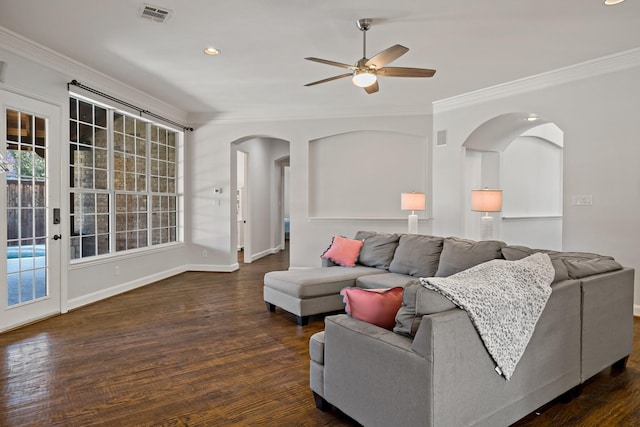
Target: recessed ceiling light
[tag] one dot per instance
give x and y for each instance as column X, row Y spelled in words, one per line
column 212, row 51
column 532, row 119
column 612, row 2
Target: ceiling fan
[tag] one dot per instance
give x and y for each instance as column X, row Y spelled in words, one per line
column 366, row 71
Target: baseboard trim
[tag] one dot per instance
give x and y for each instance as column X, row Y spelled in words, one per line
column 213, row 268
column 121, row 288
column 255, row 257
column 636, row 310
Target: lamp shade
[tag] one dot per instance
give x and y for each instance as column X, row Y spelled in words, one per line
column 412, row 201
column 486, row 200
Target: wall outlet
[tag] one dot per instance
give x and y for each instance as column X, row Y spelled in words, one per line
column 583, row 200
column 204, row 253
column 116, row 270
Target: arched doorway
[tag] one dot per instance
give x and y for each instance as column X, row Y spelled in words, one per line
column 256, row 183
column 522, row 154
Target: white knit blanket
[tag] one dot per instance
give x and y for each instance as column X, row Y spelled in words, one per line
column 504, row 300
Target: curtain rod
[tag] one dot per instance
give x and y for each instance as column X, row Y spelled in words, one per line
column 125, row 103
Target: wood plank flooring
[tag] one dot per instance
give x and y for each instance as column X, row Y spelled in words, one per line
column 200, row 349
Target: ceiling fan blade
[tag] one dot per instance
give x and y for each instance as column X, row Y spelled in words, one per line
column 372, row 88
column 335, row 64
column 329, row 79
column 386, row 56
column 405, row 72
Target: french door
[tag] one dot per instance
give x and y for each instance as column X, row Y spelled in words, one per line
column 30, row 244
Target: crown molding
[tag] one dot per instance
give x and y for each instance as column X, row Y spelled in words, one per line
column 595, row 67
column 21, row 46
column 199, row 118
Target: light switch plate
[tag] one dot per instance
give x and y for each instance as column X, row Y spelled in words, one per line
column 583, row 200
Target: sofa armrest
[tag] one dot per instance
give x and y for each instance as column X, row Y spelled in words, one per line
column 607, row 320
column 373, row 375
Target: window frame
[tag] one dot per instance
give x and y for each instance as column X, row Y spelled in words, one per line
column 112, row 232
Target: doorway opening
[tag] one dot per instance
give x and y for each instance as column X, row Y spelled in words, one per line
column 257, row 180
column 522, row 154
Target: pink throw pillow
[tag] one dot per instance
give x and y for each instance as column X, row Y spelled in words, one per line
column 376, row 306
column 343, row 251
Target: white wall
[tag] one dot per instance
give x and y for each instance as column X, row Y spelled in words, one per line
column 531, row 180
column 598, row 115
column 309, row 237
column 362, row 174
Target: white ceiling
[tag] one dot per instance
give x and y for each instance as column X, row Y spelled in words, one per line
column 261, row 72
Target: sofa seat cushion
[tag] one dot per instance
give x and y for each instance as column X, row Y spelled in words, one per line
column 417, row 255
column 460, row 254
column 386, row 280
column 377, row 249
column 314, row 282
column 418, row 301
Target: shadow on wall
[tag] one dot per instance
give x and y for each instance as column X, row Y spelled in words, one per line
column 522, row 154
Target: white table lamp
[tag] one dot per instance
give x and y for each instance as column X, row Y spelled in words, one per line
column 486, row 201
column 412, row 202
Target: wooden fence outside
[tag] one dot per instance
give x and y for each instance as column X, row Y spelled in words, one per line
column 22, row 197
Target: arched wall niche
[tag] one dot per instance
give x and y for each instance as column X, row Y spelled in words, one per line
column 522, row 154
column 260, row 224
column 361, row 174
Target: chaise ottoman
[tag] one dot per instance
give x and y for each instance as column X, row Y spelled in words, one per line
column 310, row 291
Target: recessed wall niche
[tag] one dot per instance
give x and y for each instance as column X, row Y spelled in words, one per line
column 361, row 174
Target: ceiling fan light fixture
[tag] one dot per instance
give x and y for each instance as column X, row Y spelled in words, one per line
column 363, row 78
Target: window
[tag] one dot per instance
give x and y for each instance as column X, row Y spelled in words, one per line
column 123, row 181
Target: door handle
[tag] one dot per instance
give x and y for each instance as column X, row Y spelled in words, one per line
column 57, row 236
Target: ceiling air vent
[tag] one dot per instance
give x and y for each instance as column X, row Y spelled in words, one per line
column 154, row 13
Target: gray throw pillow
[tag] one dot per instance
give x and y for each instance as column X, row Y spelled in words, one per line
column 418, row 301
column 459, row 254
column 378, row 249
column 417, row 255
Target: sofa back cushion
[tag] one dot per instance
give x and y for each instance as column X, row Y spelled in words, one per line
column 417, row 255
column 459, row 254
column 514, row 253
column 578, row 269
column 418, row 301
column 574, row 265
column 378, row 248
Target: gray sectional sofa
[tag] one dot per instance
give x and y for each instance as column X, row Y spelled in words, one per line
column 433, row 368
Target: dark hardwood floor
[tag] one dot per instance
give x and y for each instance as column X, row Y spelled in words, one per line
column 200, row 349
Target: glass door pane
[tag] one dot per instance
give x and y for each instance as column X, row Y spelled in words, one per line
column 26, row 208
